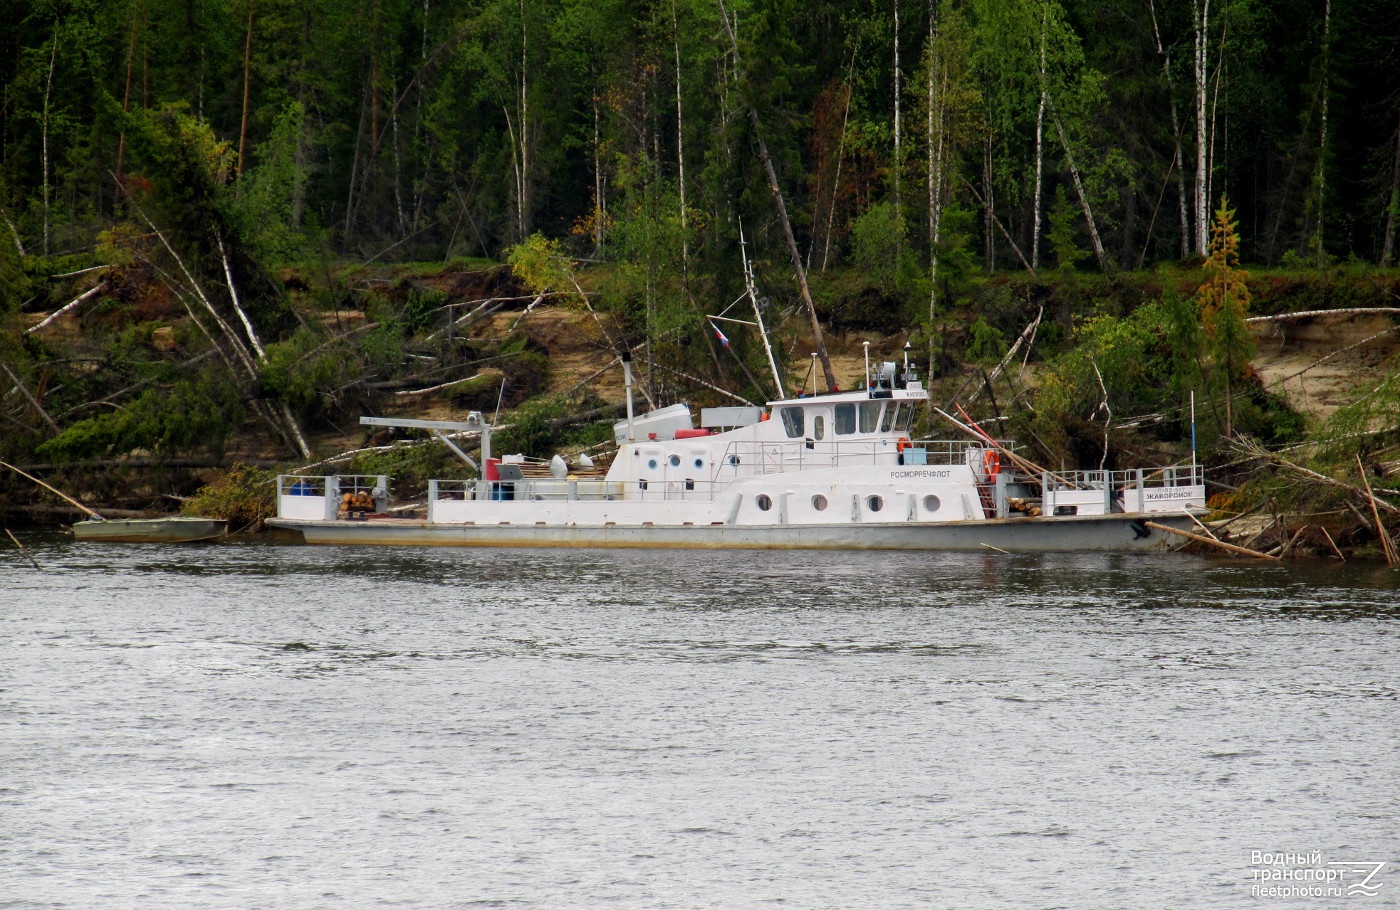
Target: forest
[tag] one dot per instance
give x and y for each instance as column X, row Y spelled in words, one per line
column 1101, row 131
column 211, row 184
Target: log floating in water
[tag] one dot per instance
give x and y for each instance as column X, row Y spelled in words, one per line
column 32, row 561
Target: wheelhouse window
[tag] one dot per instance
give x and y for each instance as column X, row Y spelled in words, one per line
column 869, row 416
column 792, row 422
column 845, row 419
column 888, row 420
column 904, row 419
column 818, row 427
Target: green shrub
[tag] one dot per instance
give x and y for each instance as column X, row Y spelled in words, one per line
column 410, row 466
column 195, row 414
column 243, row 496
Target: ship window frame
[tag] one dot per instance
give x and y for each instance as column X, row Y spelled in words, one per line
column 793, row 422
column 932, row 503
column 845, row 418
column 818, row 427
column 874, row 502
column 763, row 501
column 869, row 416
column 819, row 502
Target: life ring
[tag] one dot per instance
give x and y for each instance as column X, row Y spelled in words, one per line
column 991, row 462
column 903, row 444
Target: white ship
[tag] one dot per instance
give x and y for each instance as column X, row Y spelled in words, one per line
column 836, row 471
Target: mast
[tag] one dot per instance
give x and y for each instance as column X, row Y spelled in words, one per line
column 758, row 313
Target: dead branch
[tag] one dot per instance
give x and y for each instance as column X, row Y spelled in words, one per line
column 486, row 308
column 1250, row 511
column 1288, row 547
column 57, row 492
column 699, row 381
column 1108, row 412
column 1210, row 542
column 1026, row 333
column 1307, row 314
column 1335, row 548
column 1319, row 362
column 1259, row 452
column 34, row 402
column 101, row 286
column 526, row 312
column 1016, row 249
column 93, row 268
column 233, row 297
column 410, row 393
column 1386, row 547
column 243, row 356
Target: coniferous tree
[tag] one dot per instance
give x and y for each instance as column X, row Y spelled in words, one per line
column 1224, row 299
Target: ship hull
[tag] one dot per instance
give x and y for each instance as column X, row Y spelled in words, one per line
column 175, row 529
column 1116, row 532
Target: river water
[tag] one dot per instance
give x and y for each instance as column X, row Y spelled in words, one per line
column 258, row 726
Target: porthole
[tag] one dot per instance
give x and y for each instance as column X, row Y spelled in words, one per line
column 764, row 502
column 733, row 459
column 699, row 463
column 931, row 503
column 819, row 502
column 675, row 461
column 874, row 503
column 651, row 463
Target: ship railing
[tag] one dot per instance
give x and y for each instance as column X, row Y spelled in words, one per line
column 1165, row 489
column 530, row 490
column 955, row 451
column 749, row 458
column 319, row 498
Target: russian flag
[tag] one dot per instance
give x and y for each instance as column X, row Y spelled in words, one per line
column 720, row 335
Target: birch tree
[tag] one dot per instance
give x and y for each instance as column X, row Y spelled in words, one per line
column 1200, row 21
column 1392, row 209
column 1178, row 163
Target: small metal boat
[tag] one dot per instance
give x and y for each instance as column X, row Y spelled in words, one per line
column 172, row 529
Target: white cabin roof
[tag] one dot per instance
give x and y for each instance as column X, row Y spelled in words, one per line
column 915, row 393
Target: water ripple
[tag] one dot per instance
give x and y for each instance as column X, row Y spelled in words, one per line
column 286, row 726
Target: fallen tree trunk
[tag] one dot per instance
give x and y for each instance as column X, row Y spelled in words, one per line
column 1381, row 532
column 781, row 204
column 1258, row 452
column 1210, row 542
column 1350, row 311
column 48, row 320
column 34, row 402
